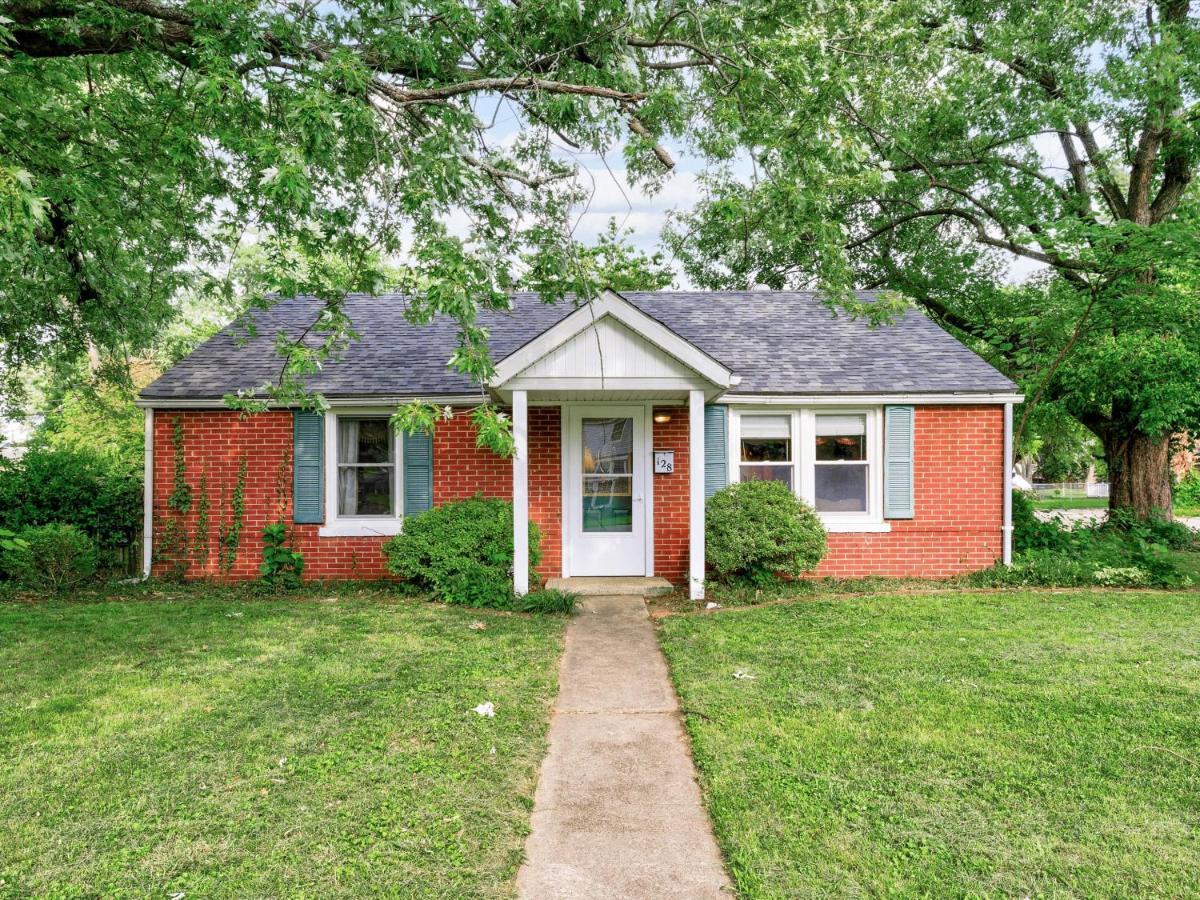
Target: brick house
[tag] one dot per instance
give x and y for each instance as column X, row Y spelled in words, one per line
column 628, row 413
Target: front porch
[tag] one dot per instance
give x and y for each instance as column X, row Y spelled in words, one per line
column 631, row 398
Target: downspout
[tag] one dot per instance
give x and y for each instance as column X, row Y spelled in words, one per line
column 148, row 496
column 1008, row 455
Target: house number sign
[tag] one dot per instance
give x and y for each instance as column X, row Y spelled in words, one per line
column 664, row 462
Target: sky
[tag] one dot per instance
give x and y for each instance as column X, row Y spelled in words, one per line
column 612, row 196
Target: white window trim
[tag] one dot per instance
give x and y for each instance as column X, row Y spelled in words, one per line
column 804, row 427
column 360, row 526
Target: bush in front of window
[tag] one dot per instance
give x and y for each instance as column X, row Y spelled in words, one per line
column 462, row 552
column 758, row 530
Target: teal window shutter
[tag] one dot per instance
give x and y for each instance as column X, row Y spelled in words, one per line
column 716, row 463
column 418, row 472
column 899, row 425
column 308, row 467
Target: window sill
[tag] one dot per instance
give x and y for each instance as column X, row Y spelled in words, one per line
column 857, row 527
column 362, row 528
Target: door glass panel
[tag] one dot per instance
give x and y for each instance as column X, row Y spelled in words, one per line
column 607, row 473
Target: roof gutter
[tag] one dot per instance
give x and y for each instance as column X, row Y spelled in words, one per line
column 917, row 399
column 332, row 402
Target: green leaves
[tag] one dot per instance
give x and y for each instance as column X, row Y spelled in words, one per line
column 1021, row 172
column 145, row 144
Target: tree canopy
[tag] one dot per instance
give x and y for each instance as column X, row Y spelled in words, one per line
column 924, row 147
column 143, row 139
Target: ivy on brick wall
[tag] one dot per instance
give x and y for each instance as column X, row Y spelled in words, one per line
column 202, row 522
column 229, row 534
column 181, row 493
column 172, row 546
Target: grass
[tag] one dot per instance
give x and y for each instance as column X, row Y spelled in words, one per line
column 1179, row 511
column 1071, row 503
column 205, row 742
column 958, row 744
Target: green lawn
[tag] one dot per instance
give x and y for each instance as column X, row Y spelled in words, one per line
column 1071, row 503
column 1033, row 744
column 205, row 743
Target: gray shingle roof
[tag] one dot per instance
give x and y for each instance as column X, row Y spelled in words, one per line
column 779, row 342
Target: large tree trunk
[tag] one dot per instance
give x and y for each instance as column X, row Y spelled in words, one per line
column 1139, row 473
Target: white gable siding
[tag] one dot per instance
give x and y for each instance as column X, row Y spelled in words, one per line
column 611, row 350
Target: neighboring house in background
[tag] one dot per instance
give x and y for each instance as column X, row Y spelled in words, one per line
column 897, row 435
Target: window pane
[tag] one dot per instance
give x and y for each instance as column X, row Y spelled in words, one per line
column 842, row 424
column 831, row 447
column 365, row 491
column 841, row 488
column 607, row 503
column 364, row 440
column 607, row 446
column 766, row 450
column 374, row 441
column 766, row 426
column 768, row 473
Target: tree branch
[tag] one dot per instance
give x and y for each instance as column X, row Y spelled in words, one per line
column 1059, row 262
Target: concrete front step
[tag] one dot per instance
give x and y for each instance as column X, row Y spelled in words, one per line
column 612, row 587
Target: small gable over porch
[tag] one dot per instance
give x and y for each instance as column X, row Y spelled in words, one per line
column 604, row 354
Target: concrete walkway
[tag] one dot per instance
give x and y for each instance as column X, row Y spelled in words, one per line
column 617, row 811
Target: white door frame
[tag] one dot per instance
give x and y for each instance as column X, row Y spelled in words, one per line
column 566, row 414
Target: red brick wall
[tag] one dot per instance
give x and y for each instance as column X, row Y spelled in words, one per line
column 545, row 484
column 958, row 492
column 671, row 498
column 214, row 442
column 460, row 469
column 959, row 495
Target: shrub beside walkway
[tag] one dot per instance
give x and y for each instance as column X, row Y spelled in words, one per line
column 617, row 811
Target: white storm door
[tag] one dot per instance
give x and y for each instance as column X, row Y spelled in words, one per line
column 605, row 471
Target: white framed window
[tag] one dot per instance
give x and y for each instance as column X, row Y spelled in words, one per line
column 765, row 449
column 830, row 457
column 841, row 464
column 363, row 474
column 366, row 467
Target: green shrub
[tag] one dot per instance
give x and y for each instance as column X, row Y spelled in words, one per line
column 282, row 565
column 1036, row 568
column 756, row 530
column 1187, row 492
column 51, row 558
column 547, row 601
column 95, row 493
column 1091, row 555
column 1121, row 576
column 1154, row 530
column 462, row 552
column 1030, row 532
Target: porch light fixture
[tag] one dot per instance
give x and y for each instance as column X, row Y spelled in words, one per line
column 662, row 417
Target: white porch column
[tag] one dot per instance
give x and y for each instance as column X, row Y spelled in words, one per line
column 520, row 414
column 696, row 494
